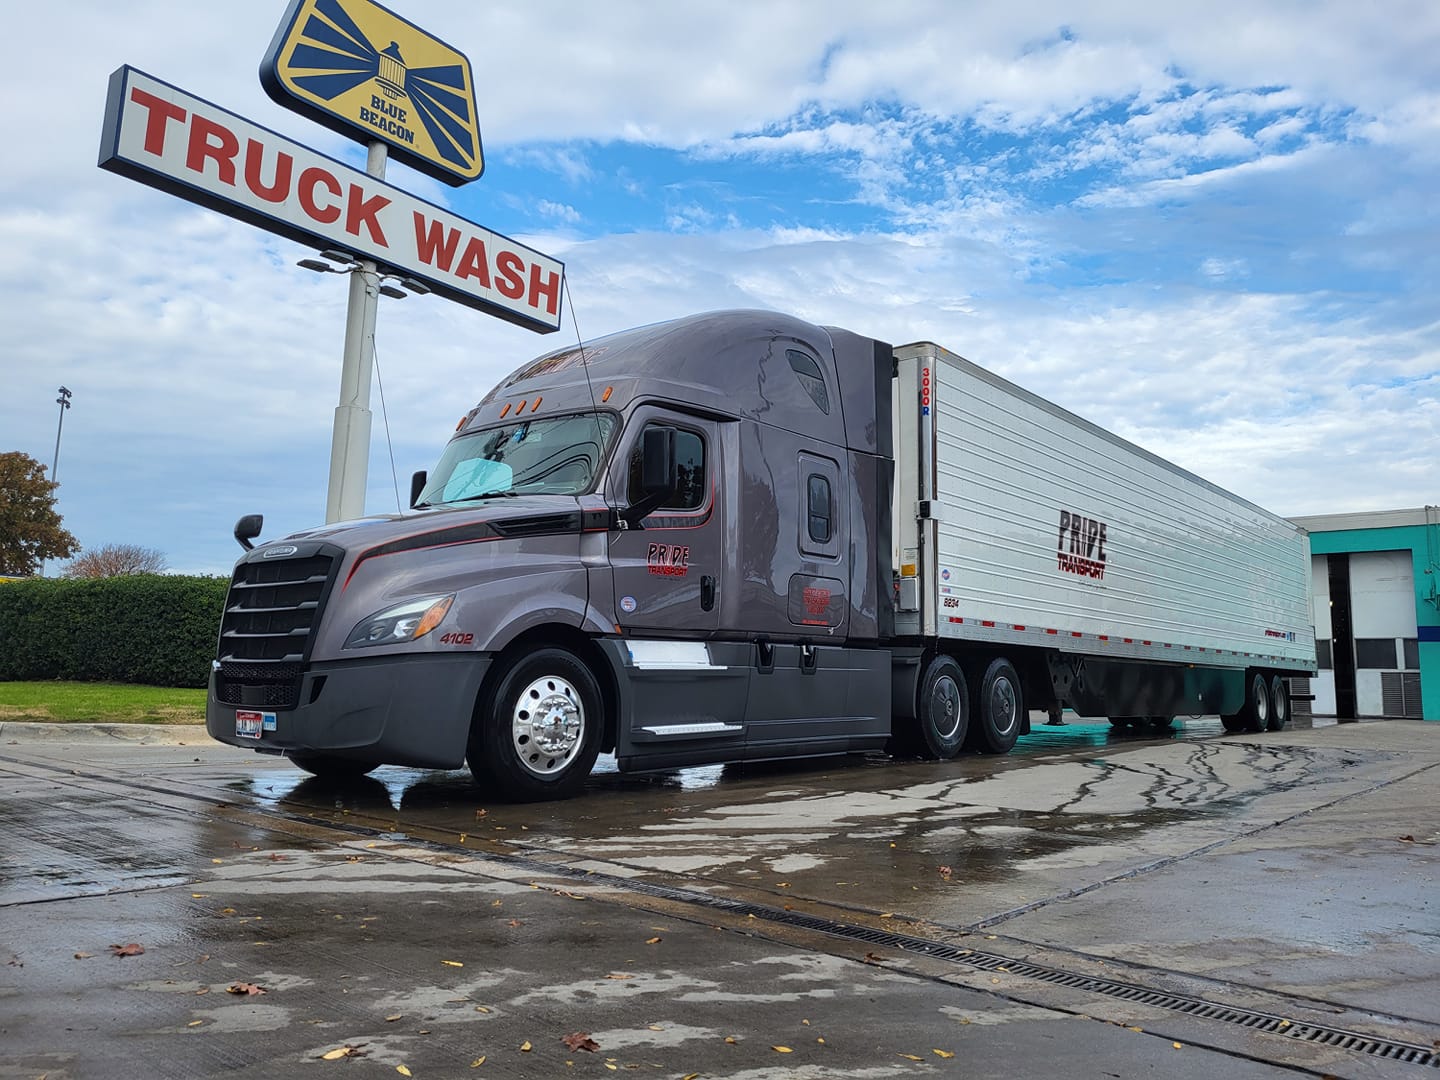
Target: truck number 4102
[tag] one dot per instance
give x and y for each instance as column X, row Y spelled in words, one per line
column 457, row 639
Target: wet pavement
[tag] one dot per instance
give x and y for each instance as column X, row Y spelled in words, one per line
column 1076, row 908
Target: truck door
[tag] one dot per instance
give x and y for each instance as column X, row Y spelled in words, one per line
column 668, row 573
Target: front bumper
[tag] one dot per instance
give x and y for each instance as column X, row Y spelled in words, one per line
column 393, row 710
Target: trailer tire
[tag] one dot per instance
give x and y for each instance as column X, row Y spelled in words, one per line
column 332, row 766
column 1121, row 723
column 942, row 711
column 1279, row 704
column 997, row 709
column 1234, row 723
column 1257, row 702
column 537, row 728
column 1161, row 723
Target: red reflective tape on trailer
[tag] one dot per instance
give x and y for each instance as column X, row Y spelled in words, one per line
column 1076, row 633
column 1019, row 628
column 1129, row 641
column 1168, row 645
column 956, row 619
column 1104, row 637
column 1144, row 643
column 1052, row 631
column 987, row 622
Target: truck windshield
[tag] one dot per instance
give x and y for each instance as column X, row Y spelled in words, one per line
column 558, row 455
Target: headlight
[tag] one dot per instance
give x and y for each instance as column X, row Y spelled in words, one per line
column 404, row 622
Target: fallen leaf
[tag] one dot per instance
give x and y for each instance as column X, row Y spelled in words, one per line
column 1175, row 1045
column 525, row 1047
column 127, row 950
column 247, row 989
column 652, row 941
column 782, row 1049
column 275, row 856
column 199, row 896
column 691, row 1076
column 516, row 922
column 731, row 1039
column 452, row 963
column 871, row 958
column 620, row 976
column 1407, row 839
column 481, row 1009
column 887, row 914
column 195, row 1023
column 910, row 1057
column 83, row 955
column 942, row 1053
column 480, row 814
column 820, row 1041
column 945, row 872
column 478, row 1062
column 346, row 1051
column 402, row 1070
column 392, row 1019
column 580, row 1040
column 498, row 903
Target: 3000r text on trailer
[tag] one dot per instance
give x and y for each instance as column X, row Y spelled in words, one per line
column 738, row 536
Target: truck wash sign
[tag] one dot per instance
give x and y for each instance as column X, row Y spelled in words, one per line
column 161, row 136
column 365, row 72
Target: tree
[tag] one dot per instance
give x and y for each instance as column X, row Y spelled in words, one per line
column 112, row 560
column 30, row 529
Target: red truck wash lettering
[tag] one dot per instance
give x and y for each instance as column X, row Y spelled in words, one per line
column 213, row 142
column 437, row 245
column 1085, row 539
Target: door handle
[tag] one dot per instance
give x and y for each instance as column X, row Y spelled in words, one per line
column 707, row 592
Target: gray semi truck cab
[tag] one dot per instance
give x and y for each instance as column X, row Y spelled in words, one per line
column 672, row 544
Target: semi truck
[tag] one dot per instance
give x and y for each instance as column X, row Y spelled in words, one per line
column 738, row 536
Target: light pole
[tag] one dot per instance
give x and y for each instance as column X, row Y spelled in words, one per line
column 64, row 402
column 350, row 442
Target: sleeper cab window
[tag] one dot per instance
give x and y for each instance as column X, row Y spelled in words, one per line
column 690, row 462
column 817, row 494
column 808, row 372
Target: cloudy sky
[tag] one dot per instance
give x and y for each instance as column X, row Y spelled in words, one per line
column 1209, row 227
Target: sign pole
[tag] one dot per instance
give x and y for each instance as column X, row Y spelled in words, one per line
column 350, row 442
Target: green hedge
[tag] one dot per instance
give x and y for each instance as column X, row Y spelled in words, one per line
column 155, row 629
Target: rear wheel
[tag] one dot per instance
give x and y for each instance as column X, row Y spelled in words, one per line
column 997, row 709
column 1279, row 703
column 1121, row 723
column 1161, row 723
column 332, row 767
column 1257, row 703
column 1233, row 723
column 536, row 731
column 942, row 710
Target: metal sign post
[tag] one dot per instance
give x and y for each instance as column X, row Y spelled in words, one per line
column 350, row 441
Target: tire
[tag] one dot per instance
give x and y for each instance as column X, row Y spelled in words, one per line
column 997, row 709
column 1234, row 723
column 1121, row 723
column 1161, row 723
column 332, row 767
column 1257, row 703
column 942, row 711
column 1279, row 704
column 536, row 730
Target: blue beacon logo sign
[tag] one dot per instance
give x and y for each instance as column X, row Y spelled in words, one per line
column 361, row 70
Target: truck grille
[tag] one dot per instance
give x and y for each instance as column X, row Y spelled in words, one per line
column 265, row 633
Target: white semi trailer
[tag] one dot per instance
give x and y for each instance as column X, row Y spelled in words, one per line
column 740, row 536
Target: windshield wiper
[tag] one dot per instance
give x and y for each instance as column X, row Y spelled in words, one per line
column 507, row 494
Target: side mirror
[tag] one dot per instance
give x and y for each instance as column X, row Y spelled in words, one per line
column 247, row 529
column 659, row 474
column 417, row 485
column 657, row 461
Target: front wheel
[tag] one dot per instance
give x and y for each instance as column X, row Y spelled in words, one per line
column 536, row 731
column 997, row 709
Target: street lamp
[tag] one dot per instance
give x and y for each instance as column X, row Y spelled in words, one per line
column 350, row 441
column 64, row 402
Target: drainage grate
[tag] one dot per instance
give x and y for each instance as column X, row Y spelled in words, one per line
column 1358, row 1042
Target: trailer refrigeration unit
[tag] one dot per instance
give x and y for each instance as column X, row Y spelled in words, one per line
column 738, row 536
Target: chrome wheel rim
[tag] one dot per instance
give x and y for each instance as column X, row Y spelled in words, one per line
column 547, row 725
column 1262, row 702
column 945, row 707
column 1004, row 706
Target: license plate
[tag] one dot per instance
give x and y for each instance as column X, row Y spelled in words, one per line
column 250, row 725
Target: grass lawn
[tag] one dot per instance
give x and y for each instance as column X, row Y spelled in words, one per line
column 112, row 703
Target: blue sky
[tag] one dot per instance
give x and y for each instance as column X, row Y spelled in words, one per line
column 1211, row 228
